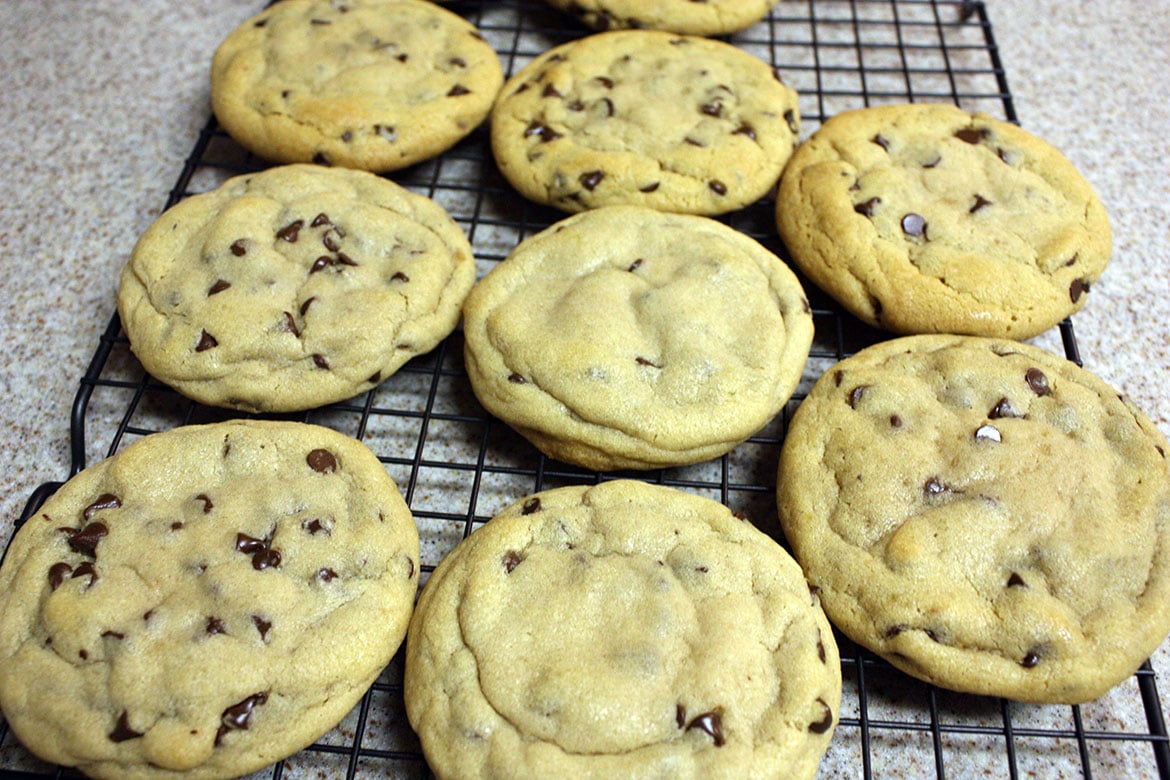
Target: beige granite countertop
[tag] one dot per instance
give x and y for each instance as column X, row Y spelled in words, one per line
column 102, row 101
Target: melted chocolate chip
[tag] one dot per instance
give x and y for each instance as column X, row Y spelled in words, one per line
column 58, row 572
column 711, row 723
column 511, row 560
column 86, row 569
column 914, row 225
column 262, row 625
column 289, row 232
column 239, row 715
column 590, row 179
column 104, row 501
column 263, row 555
column 458, row 90
column 238, row 248
column 745, row 129
column 206, row 342
column 330, row 242
column 86, row 539
column 825, row 723
column 219, row 286
column 1016, row 581
column 266, row 559
column 314, row 526
column 1078, row 288
column 792, row 121
column 305, row 306
column 1037, row 380
column 971, row 135
column 550, row 91
column 207, row 505
column 980, row 203
column 215, row 626
column 541, row 131
column 122, row 730
column 530, row 506
column 718, row 187
column 856, row 394
column 866, row 208
column 321, row 461
column 290, row 324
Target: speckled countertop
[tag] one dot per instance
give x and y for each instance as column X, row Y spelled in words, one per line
column 102, row 102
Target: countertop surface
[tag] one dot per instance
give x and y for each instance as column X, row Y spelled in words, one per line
column 102, row 102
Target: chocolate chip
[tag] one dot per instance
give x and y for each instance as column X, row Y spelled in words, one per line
column 215, row 626
column 113, row 635
column 289, row 232
column 895, row 421
column 238, row 248
column 320, row 219
column 1078, row 288
column 694, row 142
column 1037, row 380
column 239, row 715
column 326, row 575
column 713, row 108
column 971, row 135
column 321, row 362
column 718, row 187
column 634, row 266
column 935, row 487
column 825, row 723
column 710, row 723
column 305, row 306
column 542, row 131
column 590, row 179
column 122, row 730
column 314, row 526
column 866, row 209
column 58, row 572
column 320, row 22
column 330, row 242
column 1004, row 408
column 219, row 286
column 1016, row 581
column 458, row 62
column 821, row 647
column 86, row 569
column 347, row 136
column 85, row 541
column 988, row 433
column 375, row 378
column 266, row 559
column 386, row 132
column 530, row 506
column 344, row 259
column 576, row 105
column 458, row 90
column 321, row 461
column 104, row 501
column 605, row 82
column 1031, row 658
column 511, row 560
column 793, row 123
column 881, row 141
column 608, row 106
column 320, row 264
column 206, row 342
column 680, row 715
column 645, row 362
column 263, row 556
column 745, row 129
column 914, row 225
column 856, row 394
column 980, row 202
column 550, row 91
column 649, row 187
column 262, row 625
column 516, row 379
column 290, row 324
column 933, row 163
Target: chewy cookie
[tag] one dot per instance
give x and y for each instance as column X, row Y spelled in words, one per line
column 293, row 288
column 369, row 84
column 983, row 514
column 693, row 17
column 204, row 603
column 628, row 338
column 677, row 123
column 926, row 219
column 623, row 630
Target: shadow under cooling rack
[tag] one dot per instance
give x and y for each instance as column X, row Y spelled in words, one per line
column 457, row 466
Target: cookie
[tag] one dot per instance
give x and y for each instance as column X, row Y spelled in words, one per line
column 205, row 602
column 926, row 219
column 628, row 338
column 622, row 630
column 370, row 84
column 984, row 515
column 709, row 17
column 638, row 117
column 293, row 288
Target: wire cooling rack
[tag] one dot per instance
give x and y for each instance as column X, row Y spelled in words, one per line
column 457, row 466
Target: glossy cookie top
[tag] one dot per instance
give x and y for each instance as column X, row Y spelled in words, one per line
column 292, row 288
column 677, row 123
column 369, row 84
column 926, row 219
column 983, row 514
column 622, row 630
column 693, row 17
column 207, row 601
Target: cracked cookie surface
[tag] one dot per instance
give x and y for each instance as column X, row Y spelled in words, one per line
column 370, row 84
column 983, row 514
column 693, row 17
column 624, row 337
column 292, row 288
column 205, row 602
column 623, row 630
column 926, row 219
column 677, row 123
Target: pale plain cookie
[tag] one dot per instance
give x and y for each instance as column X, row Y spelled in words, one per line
column 677, row 123
column 204, row 603
column 983, row 514
column 293, row 288
column 693, row 17
column 625, row 337
column 624, row 630
column 370, row 84
column 926, row 219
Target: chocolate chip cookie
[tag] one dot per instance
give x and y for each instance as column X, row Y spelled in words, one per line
column 369, row 84
column 984, row 515
column 293, row 288
column 927, row 219
column 677, row 123
column 628, row 338
column 694, row 17
column 621, row 630
column 204, row 603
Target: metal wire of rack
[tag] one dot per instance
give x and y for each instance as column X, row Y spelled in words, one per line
column 457, row 466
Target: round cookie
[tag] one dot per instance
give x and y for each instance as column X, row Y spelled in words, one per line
column 639, row 117
column 293, row 288
column 711, row 17
column 926, row 219
column 205, row 602
column 983, row 514
column 628, row 338
column 370, row 84
column 622, row 630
